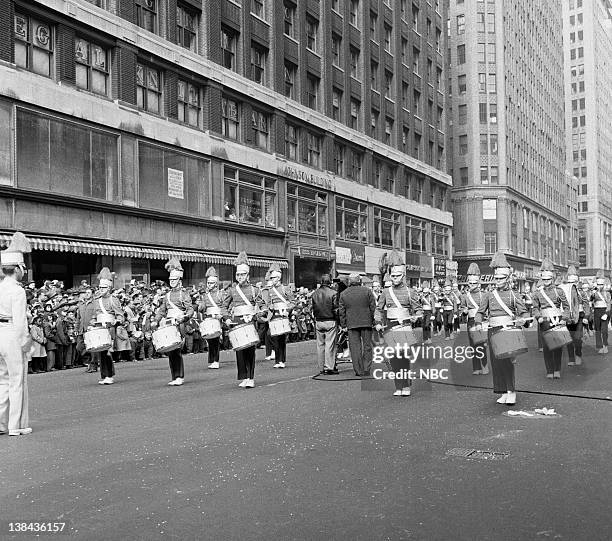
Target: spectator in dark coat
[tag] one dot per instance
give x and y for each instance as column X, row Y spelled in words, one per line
column 356, row 310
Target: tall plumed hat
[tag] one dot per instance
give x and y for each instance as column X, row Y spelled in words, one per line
column 396, row 262
column 211, row 272
column 105, row 277
column 599, row 278
column 174, row 267
column 242, row 262
column 500, row 265
column 275, row 271
column 572, row 275
column 547, row 270
column 13, row 255
column 425, row 284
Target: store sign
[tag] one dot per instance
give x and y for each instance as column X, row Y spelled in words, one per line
column 315, row 253
column 350, row 256
column 307, row 177
column 373, row 255
column 175, row 184
column 418, row 264
column 452, row 268
column 439, row 268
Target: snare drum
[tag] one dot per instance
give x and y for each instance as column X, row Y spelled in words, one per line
column 281, row 308
column 398, row 314
column 210, row 328
column 508, row 343
column 279, row 326
column 167, row 339
column 97, row 340
column 213, row 311
column 175, row 313
column 556, row 337
column 243, row 336
column 479, row 337
column 404, row 335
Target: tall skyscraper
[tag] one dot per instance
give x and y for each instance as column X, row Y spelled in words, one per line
column 587, row 35
column 507, row 137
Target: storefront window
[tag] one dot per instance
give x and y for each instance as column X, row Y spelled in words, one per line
column 306, row 211
column 33, row 45
column 440, row 237
column 386, row 228
column 65, row 157
column 249, row 198
column 416, row 235
column 351, row 220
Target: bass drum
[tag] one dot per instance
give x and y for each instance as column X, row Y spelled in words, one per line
column 573, row 299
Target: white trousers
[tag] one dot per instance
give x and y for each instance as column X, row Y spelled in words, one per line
column 13, row 383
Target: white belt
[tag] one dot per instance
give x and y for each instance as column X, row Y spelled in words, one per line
column 499, row 321
column 244, row 310
column 213, row 311
column 448, row 308
column 426, row 307
column 600, row 304
column 438, row 305
column 472, row 312
column 551, row 312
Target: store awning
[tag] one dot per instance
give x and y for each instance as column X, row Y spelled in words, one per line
column 138, row 252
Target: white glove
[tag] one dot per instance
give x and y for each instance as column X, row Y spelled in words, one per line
column 585, row 321
column 432, row 317
column 378, row 327
column 604, row 317
column 540, row 320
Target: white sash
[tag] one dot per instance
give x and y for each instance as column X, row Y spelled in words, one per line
column 394, row 298
column 472, row 300
column 281, row 297
column 246, row 301
column 102, row 306
column 212, row 300
column 172, row 305
column 548, row 300
column 502, row 303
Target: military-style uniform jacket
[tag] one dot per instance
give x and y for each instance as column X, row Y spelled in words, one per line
column 601, row 299
column 273, row 295
column 233, row 300
column 427, row 301
column 585, row 304
column 490, row 306
column 541, row 306
column 180, row 298
column 405, row 296
column 210, row 299
column 13, row 308
column 449, row 304
column 90, row 311
column 470, row 302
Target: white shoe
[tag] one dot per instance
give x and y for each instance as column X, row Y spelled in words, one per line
column 476, row 372
column 179, row 381
column 398, row 393
column 600, row 351
column 173, row 382
column 20, row 432
column 550, row 376
column 406, row 391
column 278, row 365
column 557, row 375
column 213, row 365
column 578, row 360
column 281, row 365
column 102, row 381
column 108, row 381
column 250, row 384
column 511, row 400
column 243, row 383
column 605, row 348
column 269, row 358
column 502, row 399
column 540, row 349
column 571, row 363
column 485, row 370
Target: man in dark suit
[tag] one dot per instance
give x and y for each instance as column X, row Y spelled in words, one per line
column 356, row 310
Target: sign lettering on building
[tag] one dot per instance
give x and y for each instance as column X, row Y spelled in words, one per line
column 176, row 184
column 306, row 177
column 350, row 256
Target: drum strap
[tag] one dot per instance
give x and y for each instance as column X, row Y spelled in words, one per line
column 601, row 296
column 246, row 301
column 102, row 306
column 548, row 299
column 281, row 297
column 211, row 299
column 472, row 300
column 172, row 305
column 394, row 298
column 502, row 303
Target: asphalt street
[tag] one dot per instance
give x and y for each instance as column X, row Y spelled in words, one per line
column 304, row 459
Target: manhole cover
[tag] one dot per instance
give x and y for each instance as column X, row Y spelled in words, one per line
column 475, row 453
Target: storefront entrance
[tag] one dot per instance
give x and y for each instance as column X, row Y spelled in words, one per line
column 308, row 272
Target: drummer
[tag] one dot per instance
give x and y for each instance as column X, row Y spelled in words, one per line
column 427, row 303
column 576, row 327
column 398, row 296
column 550, row 308
column 503, row 307
column 449, row 310
column 242, row 298
column 458, row 314
column 210, row 306
column 601, row 313
column 438, row 322
column 106, row 309
column 279, row 302
column 176, row 305
column 470, row 302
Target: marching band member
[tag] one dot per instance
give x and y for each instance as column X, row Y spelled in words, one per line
column 427, row 302
column 449, row 308
column 587, row 307
column 550, row 307
column 502, row 306
column 576, row 329
column 210, row 306
column 470, row 303
column 527, row 298
column 538, row 287
column 278, row 301
column 438, row 318
column 14, row 340
column 458, row 315
column 601, row 312
column 397, row 296
column 176, row 305
column 243, row 295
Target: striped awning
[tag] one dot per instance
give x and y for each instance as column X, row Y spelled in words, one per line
column 138, row 252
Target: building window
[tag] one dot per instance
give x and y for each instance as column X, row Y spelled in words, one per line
column 484, row 174
column 337, row 104
column 355, row 63
column 415, row 18
column 148, row 89
column 289, row 20
column 351, row 220
column 291, row 141
column 290, row 71
column 484, row 143
column 463, row 176
column 388, row 84
column 493, row 113
column 261, row 128
column 492, row 82
column 33, row 45
column 312, row 91
column 388, row 39
column 389, row 185
column 460, row 54
column 416, row 189
column 373, row 26
column 249, row 198
column 228, row 49
column 258, row 64
column 355, row 109
column 416, row 60
column 482, row 83
column 188, row 103
column 339, row 159
column 336, row 45
column 405, row 95
column 306, row 211
column 258, row 8
column 416, row 235
column 463, row 145
column 482, row 113
column 374, row 75
column 388, row 131
column 354, row 13
column 313, row 157
column 490, row 242
column 493, row 141
column 312, row 31
column 460, row 24
column 230, row 126
column 386, row 228
column 91, row 67
column 356, row 166
column 146, row 14
column 463, row 114
column 336, row 6
column 462, row 84
column 439, row 240
column 373, row 123
column 186, row 28
column 416, row 103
